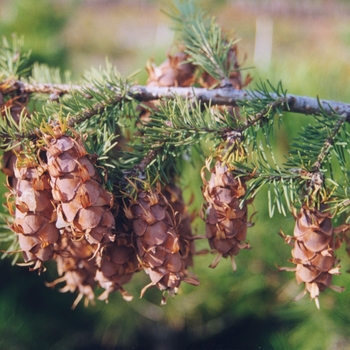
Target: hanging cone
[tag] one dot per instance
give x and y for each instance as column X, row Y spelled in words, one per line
column 157, row 241
column 83, row 204
column 77, row 268
column 226, row 221
column 117, row 263
column 34, row 213
column 173, row 194
column 175, row 71
column 313, row 252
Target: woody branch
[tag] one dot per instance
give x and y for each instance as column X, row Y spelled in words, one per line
column 221, row 96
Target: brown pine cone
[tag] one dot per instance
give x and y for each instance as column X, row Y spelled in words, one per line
column 157, row 241
column 34, row 214
column 313, row 252
column 173, row 194
column 175, row 71
column 226, row 221
column 83, row 204
column 77, row 268
column 117, row 263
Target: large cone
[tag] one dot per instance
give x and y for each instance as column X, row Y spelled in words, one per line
column 83, row 205
column 34, row 214
column 226, row 221
column 157, row 241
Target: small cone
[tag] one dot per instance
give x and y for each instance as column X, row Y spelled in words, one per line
column 226, row 221
column 175, row 71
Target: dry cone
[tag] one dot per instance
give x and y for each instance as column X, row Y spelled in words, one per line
column 34, row 214
column 117, row 263
column 83, row 205
column 226, row 219
column 173, row 195
column 157, row 241
column 77, row 268
column 313, row 252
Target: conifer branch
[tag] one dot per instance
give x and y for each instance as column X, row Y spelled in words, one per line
column 226, row 96
column 230, row 97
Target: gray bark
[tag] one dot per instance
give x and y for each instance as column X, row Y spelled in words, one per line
column 221, row 96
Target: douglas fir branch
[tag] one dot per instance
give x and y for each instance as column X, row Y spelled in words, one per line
column 94, row 170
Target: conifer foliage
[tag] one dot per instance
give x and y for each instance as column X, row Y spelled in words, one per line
column 94, row 171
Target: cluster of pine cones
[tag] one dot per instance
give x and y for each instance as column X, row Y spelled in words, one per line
column 62, row 212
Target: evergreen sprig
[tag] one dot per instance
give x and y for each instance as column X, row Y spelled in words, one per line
column 99, row 100
column 204, row 40
column 174, row 127
column 13, row 133
column 312, row 150
column 13, row 60
column 260, row 109
column 44, row 74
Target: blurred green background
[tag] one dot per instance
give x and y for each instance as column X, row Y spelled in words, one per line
column 306, row 45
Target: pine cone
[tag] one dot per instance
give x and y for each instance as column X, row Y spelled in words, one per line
column 175, row 71
column 83, row 204
column 313, row 252
column 157, row 241
column 77, row 267
column 117, row 263
column 173, row 194
column 226, row 221
column 34, row 214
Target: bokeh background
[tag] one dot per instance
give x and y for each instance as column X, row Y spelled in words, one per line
column 306, row 45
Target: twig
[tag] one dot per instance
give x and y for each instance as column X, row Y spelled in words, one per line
column 230, row 96
column 45, row 88
column 222, row 96
column 328, row 145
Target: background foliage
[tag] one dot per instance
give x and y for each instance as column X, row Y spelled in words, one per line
column 249, row 309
